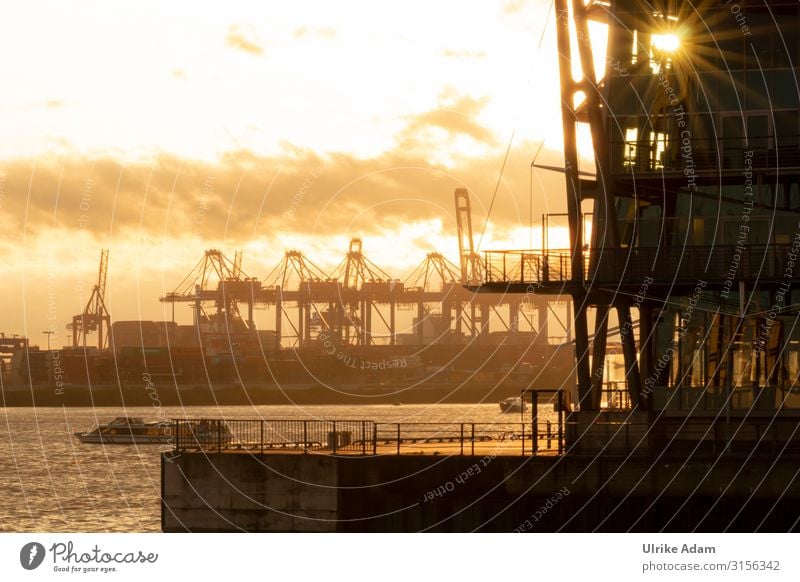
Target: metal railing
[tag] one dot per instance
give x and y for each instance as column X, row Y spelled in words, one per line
column 667, row 264
column 334, row 436
column 616, row 398
column 709, row 155
column 471, row 438
column 550, row 266
column 366, row 437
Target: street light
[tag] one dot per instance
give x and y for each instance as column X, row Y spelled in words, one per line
column 48, row 333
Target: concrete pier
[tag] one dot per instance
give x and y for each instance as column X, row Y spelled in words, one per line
column 406, row 493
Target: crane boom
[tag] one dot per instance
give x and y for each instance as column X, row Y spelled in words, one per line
column 469, row 260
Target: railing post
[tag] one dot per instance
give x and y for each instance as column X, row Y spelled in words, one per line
column 363, row 437
column 534, row 422
column 335, row 437
column 560, row 421
column 219, row 436
column 261, row 422
column 522, row 426
column 473, row 439
column 398, row 438
column 548, row 435
column 462, row 439
column 305, row 436
column 374, row 439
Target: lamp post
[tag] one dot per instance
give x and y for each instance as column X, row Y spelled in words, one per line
column 48, row 333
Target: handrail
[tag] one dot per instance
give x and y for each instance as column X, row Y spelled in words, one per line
column 634, row 265
column 365, row 437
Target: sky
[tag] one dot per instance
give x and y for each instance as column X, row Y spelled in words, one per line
column 158, row 130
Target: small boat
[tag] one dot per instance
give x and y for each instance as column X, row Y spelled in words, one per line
column 513, row 404
column 127, row 430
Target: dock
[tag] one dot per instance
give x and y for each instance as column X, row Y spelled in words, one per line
column 612, row 472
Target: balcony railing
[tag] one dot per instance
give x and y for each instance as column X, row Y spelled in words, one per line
column 706, row 155
column 634, row 265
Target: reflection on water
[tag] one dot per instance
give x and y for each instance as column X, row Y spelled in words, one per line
column 52, row 482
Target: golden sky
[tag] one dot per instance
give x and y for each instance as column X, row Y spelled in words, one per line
column 159, row 129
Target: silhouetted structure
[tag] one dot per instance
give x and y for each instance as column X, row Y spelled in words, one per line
column 694, row 204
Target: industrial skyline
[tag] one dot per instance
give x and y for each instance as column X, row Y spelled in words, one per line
column 93, row 162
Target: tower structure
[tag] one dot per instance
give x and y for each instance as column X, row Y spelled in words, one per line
column 694, row 203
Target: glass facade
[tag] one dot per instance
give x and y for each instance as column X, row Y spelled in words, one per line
column 703, row 129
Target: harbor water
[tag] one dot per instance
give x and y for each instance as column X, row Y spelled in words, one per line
column 52, row 482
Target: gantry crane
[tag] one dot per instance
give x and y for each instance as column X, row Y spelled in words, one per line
column 95, row 316
column 218, row 280
column 364, row 285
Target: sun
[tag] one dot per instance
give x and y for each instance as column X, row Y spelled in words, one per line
column 668, row 42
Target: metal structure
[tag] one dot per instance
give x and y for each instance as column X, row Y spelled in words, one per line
column 316, row 295
column 695, row 125
column 355, row 305
column 216, row 287
column 367, row 437
column 436, row 281
column 365, row 287
column 470, row 260
column 95, row 316
column 237, row 265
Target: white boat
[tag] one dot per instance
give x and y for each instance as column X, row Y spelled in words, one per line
column 127, row 430
column 513, row 404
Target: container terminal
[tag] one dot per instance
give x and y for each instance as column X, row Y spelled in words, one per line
column 302, row 336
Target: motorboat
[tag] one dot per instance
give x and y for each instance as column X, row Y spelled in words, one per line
column 513, row 404
column 128, row 430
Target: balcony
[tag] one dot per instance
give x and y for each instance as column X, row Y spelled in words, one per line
column 705, row 155
column 718, row 266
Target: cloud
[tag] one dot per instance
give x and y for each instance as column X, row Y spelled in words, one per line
column 457, row 54
column 324, row 33
column 514, row 6
column 238, row 40
column 455, row 115
column 54, row 104
column 244, row 197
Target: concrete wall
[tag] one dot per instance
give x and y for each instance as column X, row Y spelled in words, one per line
column 287, row 492
column 234, row 492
